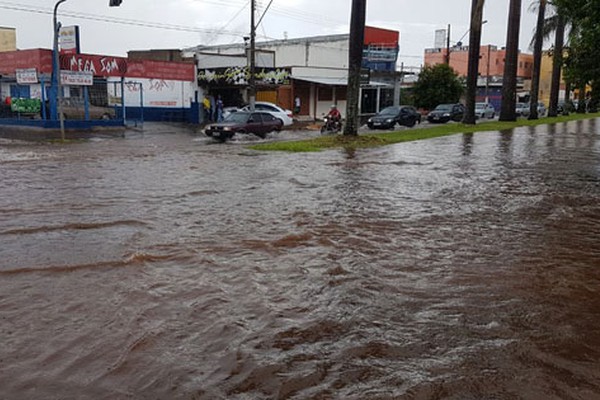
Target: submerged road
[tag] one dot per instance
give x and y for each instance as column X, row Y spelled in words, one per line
column 165, row 266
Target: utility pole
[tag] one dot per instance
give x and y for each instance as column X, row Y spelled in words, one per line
column 357, row 40
column 56, row 82
column 448, row 46
column 487, row 76
column 252, row 80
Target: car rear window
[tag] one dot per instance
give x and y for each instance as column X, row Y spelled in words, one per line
column 265, row 107
column 267, row 117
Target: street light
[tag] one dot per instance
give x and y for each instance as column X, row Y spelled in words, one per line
column 56, row 73
column 56, row 81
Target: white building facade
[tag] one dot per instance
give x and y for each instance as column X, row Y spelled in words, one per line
column 316, row 68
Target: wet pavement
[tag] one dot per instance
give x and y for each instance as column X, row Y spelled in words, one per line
column 164, row 265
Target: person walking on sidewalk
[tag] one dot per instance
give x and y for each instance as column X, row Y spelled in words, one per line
column 297, row 105
column 219, row 109
column 206, row 105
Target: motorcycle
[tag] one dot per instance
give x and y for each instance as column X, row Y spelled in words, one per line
column 331, row 126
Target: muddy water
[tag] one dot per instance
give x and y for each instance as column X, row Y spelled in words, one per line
column 163, row 266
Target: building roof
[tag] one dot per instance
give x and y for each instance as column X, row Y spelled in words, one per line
column 270, row 43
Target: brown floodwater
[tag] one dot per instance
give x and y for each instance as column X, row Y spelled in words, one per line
column 165, row 266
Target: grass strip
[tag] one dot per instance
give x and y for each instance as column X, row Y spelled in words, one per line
column 381, row 139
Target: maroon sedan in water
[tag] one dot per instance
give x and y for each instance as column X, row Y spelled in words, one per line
column 257, row 123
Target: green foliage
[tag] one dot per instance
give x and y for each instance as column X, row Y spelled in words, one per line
column 437, row 84
column 28, row 106
column 407, row 96
column 582, row 64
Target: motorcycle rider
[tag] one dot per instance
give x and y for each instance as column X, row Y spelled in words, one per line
column 334, row 116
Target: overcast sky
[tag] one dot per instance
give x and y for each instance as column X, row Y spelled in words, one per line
column 155, row 24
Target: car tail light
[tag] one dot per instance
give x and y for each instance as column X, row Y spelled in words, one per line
column 290, row 115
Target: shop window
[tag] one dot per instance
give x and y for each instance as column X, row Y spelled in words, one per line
column 386, row 98
column 368, row 101
column 341, row 93
column 20, row 91
column 325, row 93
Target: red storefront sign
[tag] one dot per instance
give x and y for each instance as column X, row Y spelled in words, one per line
column 118, row 66
column 381, row 36
column 97, row 65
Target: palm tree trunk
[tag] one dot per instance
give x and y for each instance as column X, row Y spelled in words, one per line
column 557, row 62
column 537, row 61
column 509, row 84
column 357, row 34
column 473, row 69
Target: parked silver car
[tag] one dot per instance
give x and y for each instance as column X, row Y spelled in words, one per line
column 522, row 109
column 484, row 110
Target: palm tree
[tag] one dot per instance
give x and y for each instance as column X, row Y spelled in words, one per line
column 473, row 68
column 557, row 23
column 537, row 60
column 557, row 61
column 509, row 84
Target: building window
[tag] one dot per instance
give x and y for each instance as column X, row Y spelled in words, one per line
column 386, row 98
column 325, row 93
column 368, row 101
column 340, row 93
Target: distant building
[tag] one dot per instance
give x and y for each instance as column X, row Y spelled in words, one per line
column 313, row 68
column 491, row 70
column 546, row 80
column 8, row 39
column 491, row 61
column 157, row 90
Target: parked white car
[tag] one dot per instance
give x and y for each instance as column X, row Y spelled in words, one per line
column 284, row 115
column 484, row 110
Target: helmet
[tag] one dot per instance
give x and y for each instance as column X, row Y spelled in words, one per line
column 333, row 106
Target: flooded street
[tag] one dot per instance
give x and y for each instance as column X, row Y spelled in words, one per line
column 166, row 266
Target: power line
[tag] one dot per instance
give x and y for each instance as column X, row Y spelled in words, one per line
column 120, row 21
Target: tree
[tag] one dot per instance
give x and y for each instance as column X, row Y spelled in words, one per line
column 537, row 60
column 582, row 61
column 557, row 62
column 473, row 68
column 509, row 84
column 437, row 84
column 557, row 23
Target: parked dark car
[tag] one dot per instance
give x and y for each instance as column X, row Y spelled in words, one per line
column 390, row 116
column 446, row 112
column 243, row 122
